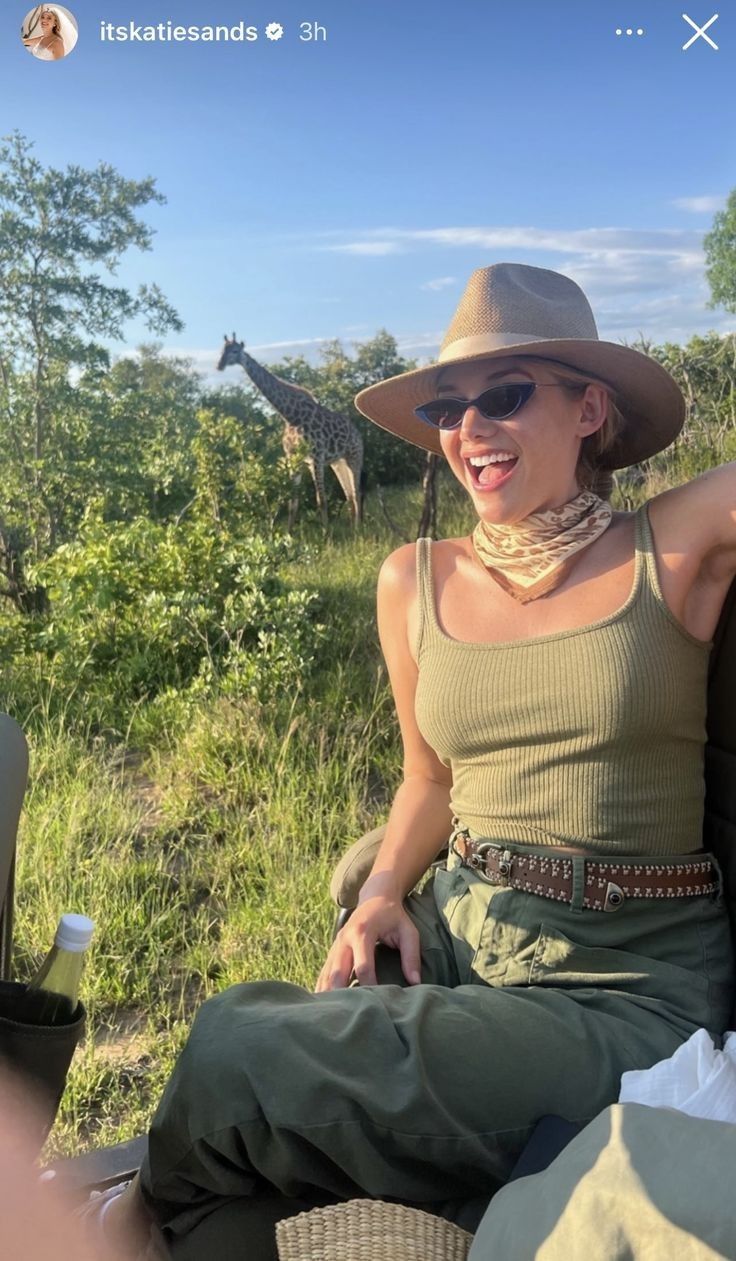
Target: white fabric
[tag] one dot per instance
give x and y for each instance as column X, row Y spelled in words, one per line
column 69, row 32
column 698, row 1079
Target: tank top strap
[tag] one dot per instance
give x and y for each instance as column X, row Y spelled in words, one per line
column 649, row 590
column 645, row 561
column 425, row 591
column 645, row 597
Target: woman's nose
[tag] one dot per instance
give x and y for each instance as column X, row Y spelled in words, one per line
column 474, row 421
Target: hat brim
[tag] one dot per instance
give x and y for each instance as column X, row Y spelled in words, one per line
column 649, row 398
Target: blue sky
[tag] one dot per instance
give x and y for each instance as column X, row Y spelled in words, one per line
column 326, row 189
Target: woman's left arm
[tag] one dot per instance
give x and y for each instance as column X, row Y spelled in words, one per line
column 708, row 504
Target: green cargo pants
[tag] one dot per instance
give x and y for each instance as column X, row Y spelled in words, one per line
column 426, row 1094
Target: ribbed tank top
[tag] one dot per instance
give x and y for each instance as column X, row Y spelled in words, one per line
column 592, row 737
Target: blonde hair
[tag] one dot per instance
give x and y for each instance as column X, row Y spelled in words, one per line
column 591, row 472
column 57, row 25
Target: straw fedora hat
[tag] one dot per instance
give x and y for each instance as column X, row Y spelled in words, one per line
column 511, row 309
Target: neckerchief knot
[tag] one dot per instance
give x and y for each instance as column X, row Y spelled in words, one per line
column 531, row 557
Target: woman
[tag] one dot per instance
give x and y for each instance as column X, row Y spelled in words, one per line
column 49, row 45
column 549, row 673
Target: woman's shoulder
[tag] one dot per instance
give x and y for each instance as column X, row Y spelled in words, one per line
column 442, row 553
column 398, row 565
column 449, row 555
column 397, row 583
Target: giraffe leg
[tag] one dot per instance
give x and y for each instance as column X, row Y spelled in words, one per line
column 290, row 445
column 294, row 500
column 356, row 465
column 317, row 469
column 345, row 475
column 354, row 460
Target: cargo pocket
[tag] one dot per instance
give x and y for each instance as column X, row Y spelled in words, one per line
column 567, row 964
column 453, row 901
column 449, row 891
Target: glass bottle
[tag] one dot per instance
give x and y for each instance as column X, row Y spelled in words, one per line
column 57, row 979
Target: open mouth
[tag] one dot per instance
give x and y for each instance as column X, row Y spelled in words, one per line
column 491, row 476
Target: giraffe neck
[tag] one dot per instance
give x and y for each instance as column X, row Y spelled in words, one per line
column 284, row 397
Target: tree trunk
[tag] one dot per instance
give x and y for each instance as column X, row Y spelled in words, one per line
column 428, row 522
column 28, row 600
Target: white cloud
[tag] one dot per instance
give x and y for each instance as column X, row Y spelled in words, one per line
column 700, row 205
column 442, row 282
column 286, row 347
column 611, row 241
column 374, row 248
column 424, row 344
column 604, row 273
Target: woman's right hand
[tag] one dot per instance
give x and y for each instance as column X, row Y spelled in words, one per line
column 377, row 918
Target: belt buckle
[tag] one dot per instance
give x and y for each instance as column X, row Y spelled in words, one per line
column 505, row 863
column 506, row 866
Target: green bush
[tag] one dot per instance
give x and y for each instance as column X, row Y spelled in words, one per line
column 142, row 609
column 242, row 477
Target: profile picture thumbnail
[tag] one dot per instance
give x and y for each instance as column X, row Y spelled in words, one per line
column 49, row 31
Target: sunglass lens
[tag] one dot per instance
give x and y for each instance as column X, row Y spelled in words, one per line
column 501, row 401
column 443, row 413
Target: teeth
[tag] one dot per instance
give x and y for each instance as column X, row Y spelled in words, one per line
column 496, row 457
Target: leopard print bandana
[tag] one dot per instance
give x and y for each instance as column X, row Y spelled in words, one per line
column 530, row 558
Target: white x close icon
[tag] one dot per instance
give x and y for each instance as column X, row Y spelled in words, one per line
column 700, row 31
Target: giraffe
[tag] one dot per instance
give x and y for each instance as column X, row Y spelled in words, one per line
column 330, row 437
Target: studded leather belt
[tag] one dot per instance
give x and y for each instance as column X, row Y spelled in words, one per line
column 607, row 884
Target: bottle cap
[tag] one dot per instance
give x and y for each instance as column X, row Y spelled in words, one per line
column 74, row 933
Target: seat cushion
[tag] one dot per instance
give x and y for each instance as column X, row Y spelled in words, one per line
column 636, row 1183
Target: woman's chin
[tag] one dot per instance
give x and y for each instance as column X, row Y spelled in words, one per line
column 495, row 504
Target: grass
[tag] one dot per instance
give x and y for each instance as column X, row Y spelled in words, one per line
column 203, row 865
column 203, row 845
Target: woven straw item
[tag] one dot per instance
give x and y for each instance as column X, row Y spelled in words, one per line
column 370, row 1230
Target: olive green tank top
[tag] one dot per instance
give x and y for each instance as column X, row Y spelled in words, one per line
column 592, row 737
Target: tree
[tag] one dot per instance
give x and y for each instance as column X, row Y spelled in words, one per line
column 57, row 228
column 143, row 449
column 720, row 255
